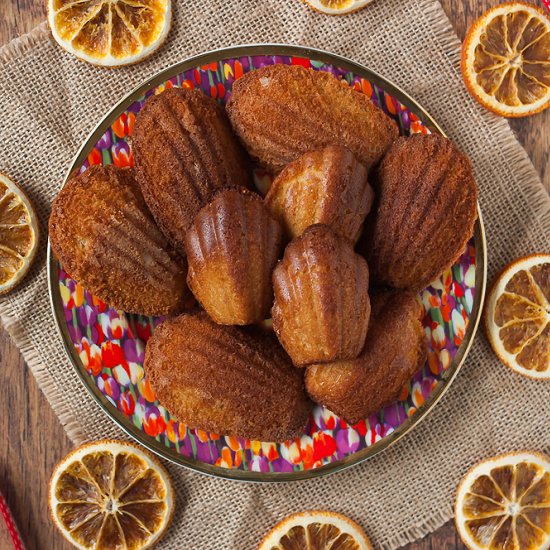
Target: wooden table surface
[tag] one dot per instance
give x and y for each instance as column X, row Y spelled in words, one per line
column 32, row 439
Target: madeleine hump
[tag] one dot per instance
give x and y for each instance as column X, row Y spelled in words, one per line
column 329, row 187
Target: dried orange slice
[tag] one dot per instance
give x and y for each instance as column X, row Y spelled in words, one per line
column 337, row 7
column 111, row 494
column 110, row 33
column 504, row 503
column 316, row 529
column 18, row 234
column 517, row 316
column 506, row 59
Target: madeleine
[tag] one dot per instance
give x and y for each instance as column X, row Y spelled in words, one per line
column 226, row 380
column 426, row 199
column 322, row 308
column 184, row 150
column 328, row 187
column 281, row 112
column 394, row 351
column 103, row 234
column 232, row 247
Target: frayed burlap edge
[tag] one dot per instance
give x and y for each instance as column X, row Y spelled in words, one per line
column 25, row 42
column 33, row 359
column 525, row 172
column 12, row 50
column 32, row 356
column 425, row 527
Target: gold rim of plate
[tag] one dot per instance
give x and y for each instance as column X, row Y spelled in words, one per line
column 150, row 443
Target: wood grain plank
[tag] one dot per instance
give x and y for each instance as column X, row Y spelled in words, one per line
column 20, row 16
column 32, row 439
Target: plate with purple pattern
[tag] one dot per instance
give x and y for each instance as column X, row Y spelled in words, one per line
column 106, row 346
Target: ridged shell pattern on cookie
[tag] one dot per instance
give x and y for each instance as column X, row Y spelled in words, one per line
column 232, row 247
column 321, row 309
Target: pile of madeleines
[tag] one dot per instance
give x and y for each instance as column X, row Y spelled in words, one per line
column 357, row 221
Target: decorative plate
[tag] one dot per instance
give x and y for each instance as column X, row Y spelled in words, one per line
column 106, row 346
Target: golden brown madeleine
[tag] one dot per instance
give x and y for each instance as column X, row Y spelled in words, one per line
column 328, row 187
column 281, row 112
column 394, row 351
column 184, row 149
column 321, row 310
column 228, row 380
column 107, row 240
column 232, row 247
column 425, row 212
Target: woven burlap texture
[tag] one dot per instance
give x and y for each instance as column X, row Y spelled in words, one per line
column 50, row 102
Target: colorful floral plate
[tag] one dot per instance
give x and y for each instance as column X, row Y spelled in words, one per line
column 106, row 346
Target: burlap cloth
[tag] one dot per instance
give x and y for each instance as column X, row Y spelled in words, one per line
column 49, row 102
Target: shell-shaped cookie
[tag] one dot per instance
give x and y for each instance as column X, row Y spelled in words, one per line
column 394, row 351
column 425, row 211
column 328, row 187
column 184, row 149
column 228, row 380
column 232, row 247
column 107, row 240
column 281, row 112
column 322, row 308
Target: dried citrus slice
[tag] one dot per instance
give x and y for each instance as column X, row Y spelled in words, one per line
column 110, row 33
column 18, row 234
column 504, row 503
column 506, row 59
column 316, row 529
column 111, row 494
column 517, row 316
column 337, row 7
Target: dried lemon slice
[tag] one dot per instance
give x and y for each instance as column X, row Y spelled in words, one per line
column 506, row 59
column 504, row 503
column 18, row 234
column 517, row 316
column 337, row 7
column 110, row 33
column 111, row 494
column 316, row 529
